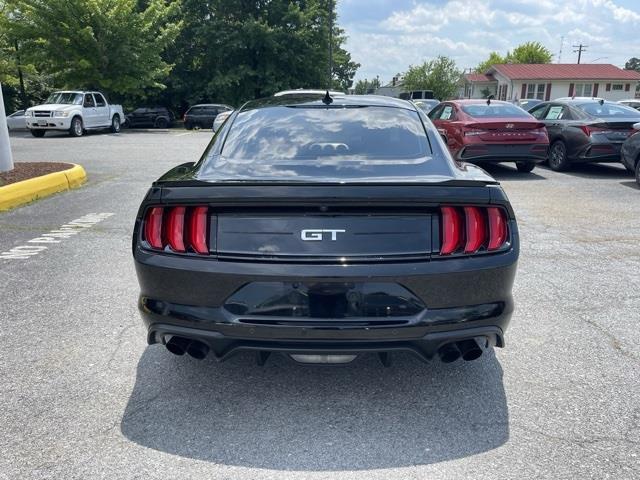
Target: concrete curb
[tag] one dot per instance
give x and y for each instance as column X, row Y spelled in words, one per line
column 20, row 193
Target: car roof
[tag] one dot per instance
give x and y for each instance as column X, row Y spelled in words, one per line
column 475, row 101
column 299, row 91
column 210, row 105
column 316, row 100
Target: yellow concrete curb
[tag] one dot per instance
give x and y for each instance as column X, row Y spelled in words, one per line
column 19, row 193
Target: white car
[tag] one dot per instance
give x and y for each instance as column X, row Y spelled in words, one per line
column 74, row 112
column 631, row 102
column 219, row 120
column 17, row 121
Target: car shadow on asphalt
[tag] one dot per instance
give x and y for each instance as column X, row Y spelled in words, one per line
column 501, row 171
column 286, row 416
column 599, row 170
column 631, row 184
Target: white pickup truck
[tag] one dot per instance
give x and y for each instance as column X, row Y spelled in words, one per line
column 74, row 112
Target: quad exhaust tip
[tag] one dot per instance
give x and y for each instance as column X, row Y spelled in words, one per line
column 194, row 348
column 467, row 349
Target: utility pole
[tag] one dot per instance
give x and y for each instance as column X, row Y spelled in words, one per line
column 330, row 45
column 6, row 160
column 560, row 52
column 580, row 48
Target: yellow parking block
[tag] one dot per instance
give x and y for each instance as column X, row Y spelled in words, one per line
column 26, row 191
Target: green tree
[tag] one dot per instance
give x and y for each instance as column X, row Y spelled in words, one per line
column 530, row 52
column 494, row 59
column 115, row 46
column 366, row 86
column 440, row 75
column 237, row 50
column 633, row 64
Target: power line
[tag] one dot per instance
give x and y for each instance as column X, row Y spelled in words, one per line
column 580, row 48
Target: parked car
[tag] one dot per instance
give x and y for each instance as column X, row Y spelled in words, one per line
column 479, row 131
column 582, row 131
column 632, row 102
column 74, row 112
column 203, row 115
column 427, row 105
column 630, row 152
column 527, row 103
column 220, row 119
column 17, row 121
column 336, row 227
column 156, row 117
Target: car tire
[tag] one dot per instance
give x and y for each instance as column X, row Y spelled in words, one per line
column 638, row 172
column 188, row 126
column 115, row 124
column 38, row 133
column 161, row 123
column 77, row 128
column 558, row 160
column 525, row 167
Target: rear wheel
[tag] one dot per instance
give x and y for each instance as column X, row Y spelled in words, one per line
column 76, row 129
column 188, row 126
column 638, row 172
column 525, row 167
column 115, row 124
column 38, row 133
column 162, row 123
column 558, row 160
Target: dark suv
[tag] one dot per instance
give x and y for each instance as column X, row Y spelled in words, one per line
column 203, row 115
column 157, row 117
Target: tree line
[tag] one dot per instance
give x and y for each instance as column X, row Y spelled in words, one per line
column 169, row 52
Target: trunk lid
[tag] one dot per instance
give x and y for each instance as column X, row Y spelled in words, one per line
column 506, row 130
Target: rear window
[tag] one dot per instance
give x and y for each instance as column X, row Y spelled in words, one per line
column 494, row 110
column 330, row 143
column 607, row 110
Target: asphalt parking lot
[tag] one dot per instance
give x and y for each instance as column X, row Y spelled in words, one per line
column 84, row 397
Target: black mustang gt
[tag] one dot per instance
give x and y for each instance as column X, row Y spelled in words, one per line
column 323, row 228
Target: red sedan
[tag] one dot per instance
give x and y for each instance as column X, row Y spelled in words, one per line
column 491, row 131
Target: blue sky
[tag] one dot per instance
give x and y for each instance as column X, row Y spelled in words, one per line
column 386, row 36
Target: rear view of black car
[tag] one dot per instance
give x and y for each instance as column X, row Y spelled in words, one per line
column 585, row 130
column 156, row 117
column 323, row 229
column 202, row 116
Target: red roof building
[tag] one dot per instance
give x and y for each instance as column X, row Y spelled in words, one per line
column 553, row 80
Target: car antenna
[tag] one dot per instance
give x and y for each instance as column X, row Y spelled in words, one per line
column 327, row 100
column 489, row 98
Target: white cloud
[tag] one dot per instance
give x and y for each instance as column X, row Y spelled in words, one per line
column 467, row 30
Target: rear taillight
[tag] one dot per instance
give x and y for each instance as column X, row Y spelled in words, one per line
column 470, row 229
column 182, row 229
column 472, row 132
column 589, row 130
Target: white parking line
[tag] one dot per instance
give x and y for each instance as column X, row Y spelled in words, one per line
column 34, row 246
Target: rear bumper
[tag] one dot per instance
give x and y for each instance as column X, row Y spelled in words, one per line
column 598, row 153
column 462, row 297
column 483, row 152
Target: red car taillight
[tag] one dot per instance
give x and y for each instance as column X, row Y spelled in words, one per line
column 182, row 229
column 468, row 229
column 588, row 130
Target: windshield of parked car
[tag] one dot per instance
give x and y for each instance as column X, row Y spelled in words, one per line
column 608, row 110
column 494, row 110
column 325, row 143
column 65, row 98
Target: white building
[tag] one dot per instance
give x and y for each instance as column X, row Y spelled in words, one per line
column 552, row 80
